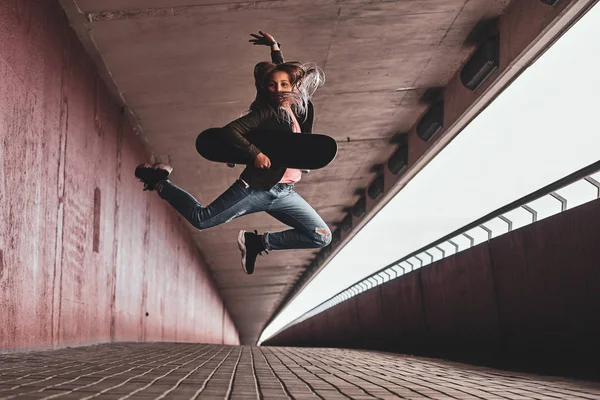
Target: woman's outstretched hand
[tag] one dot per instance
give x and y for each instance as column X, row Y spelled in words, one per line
column 263, row 38
column 262, row 161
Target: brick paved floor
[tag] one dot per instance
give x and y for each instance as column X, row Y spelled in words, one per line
column 192, row 371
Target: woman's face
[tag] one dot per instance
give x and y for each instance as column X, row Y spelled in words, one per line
column 278, row 84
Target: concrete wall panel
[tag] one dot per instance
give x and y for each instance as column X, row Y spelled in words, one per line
column 323, row 326
column 459, row 297
column 371, row 322
column 307, row 334
column 348, row 323
column 548, row 279
column 315, row 332
column 84, row 253
column 403, row 308
column 29, row 143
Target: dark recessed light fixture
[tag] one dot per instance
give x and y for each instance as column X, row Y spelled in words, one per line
column 320, row 258
column 376, row 187
column 336, row 237
column 360, row 208
column 551, row 2
column 346, row 224
column 432, row 122
column 482, row 63
column 398, row 161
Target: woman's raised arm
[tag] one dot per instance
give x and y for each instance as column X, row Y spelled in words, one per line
column 266, row 39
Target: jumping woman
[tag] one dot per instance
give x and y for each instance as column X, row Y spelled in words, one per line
column 283, row 92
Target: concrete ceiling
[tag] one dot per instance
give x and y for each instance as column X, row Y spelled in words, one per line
column 182, row 66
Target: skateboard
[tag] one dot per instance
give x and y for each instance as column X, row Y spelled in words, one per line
column 284, row 148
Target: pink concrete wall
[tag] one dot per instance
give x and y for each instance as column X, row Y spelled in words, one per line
column 85, row 255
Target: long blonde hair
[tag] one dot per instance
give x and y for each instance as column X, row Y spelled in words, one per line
column 304, row 78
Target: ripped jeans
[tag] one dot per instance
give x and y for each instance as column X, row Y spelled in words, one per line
column 281, row 202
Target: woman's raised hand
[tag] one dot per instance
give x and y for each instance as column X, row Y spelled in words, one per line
column 262, row 161
column 263, row 38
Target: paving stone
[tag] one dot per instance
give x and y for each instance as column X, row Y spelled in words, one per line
column 195, row 371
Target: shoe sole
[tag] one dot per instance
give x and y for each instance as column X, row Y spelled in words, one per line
column 139, row 167
column 242, row 246
column 167, row 169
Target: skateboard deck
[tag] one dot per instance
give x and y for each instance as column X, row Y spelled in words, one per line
column 284, row 148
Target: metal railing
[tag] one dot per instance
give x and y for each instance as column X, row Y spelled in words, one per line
column 575, row 189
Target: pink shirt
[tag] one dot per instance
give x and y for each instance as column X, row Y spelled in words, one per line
column 292, row 175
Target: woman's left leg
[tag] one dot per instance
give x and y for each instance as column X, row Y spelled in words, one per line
column 309, row 230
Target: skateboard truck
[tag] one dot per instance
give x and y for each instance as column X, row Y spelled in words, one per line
column 232, row 165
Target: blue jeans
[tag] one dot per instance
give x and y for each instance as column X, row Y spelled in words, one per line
column 282, row 202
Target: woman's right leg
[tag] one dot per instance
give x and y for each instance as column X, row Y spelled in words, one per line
column 236, row 201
